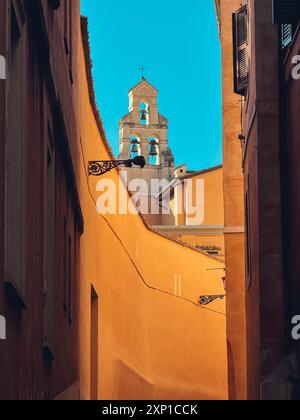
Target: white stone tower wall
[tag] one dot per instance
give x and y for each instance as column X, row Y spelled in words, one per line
column 157, row 127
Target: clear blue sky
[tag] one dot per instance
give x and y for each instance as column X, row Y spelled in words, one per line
column 177, row 41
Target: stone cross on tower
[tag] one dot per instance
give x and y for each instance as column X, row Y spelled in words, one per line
column 142, row 69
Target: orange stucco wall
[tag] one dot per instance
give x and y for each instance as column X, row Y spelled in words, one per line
column 213, row 197
column 213, row 210
column 154, row 340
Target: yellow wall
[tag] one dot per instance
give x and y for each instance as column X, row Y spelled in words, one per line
column 213, row 209
column 213, row 197
column 152, row 343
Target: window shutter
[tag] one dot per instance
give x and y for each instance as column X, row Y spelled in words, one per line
column 240, row 56
column 286, row 11
column 286, row 34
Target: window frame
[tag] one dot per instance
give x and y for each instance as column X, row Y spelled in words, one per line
column 240, row 85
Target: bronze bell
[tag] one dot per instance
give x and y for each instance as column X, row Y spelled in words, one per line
column 153, row 149
column 144, row 115
column 135, row 148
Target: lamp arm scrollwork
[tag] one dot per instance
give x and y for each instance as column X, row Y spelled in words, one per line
column 206, row 300
column 100, row 167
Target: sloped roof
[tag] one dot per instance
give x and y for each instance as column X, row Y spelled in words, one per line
column 192, row 174
column 141, row 82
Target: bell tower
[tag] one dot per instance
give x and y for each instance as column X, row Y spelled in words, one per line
column 144, row 131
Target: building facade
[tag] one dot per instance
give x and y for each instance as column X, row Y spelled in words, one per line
column 269, row 130
column 166, row 190
column 234, row 216
column 265, row 79
column 144, row 132
column 197, row 209
column 41, row 219
column 90, row 309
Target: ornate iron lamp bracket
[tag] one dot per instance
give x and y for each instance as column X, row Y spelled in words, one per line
column 206, row 300
column 100, row 167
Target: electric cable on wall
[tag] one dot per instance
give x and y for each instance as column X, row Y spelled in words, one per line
column 128, row 254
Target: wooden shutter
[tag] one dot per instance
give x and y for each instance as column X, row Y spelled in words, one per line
column 286, row 11
column 240, row 55
column 286, row 34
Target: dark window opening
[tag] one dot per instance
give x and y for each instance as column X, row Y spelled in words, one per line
column 286, row 11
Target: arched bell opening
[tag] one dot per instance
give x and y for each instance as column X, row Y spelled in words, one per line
column 154, row 158
column 135, row 147
column 144, row 113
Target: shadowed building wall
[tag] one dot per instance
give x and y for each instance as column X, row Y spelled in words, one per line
column 96, row 307
column 266, row 38
column 41, row 220
column 271, row 190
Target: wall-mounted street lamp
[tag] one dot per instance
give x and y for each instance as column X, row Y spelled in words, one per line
column 206, row 300
column 100, row 167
